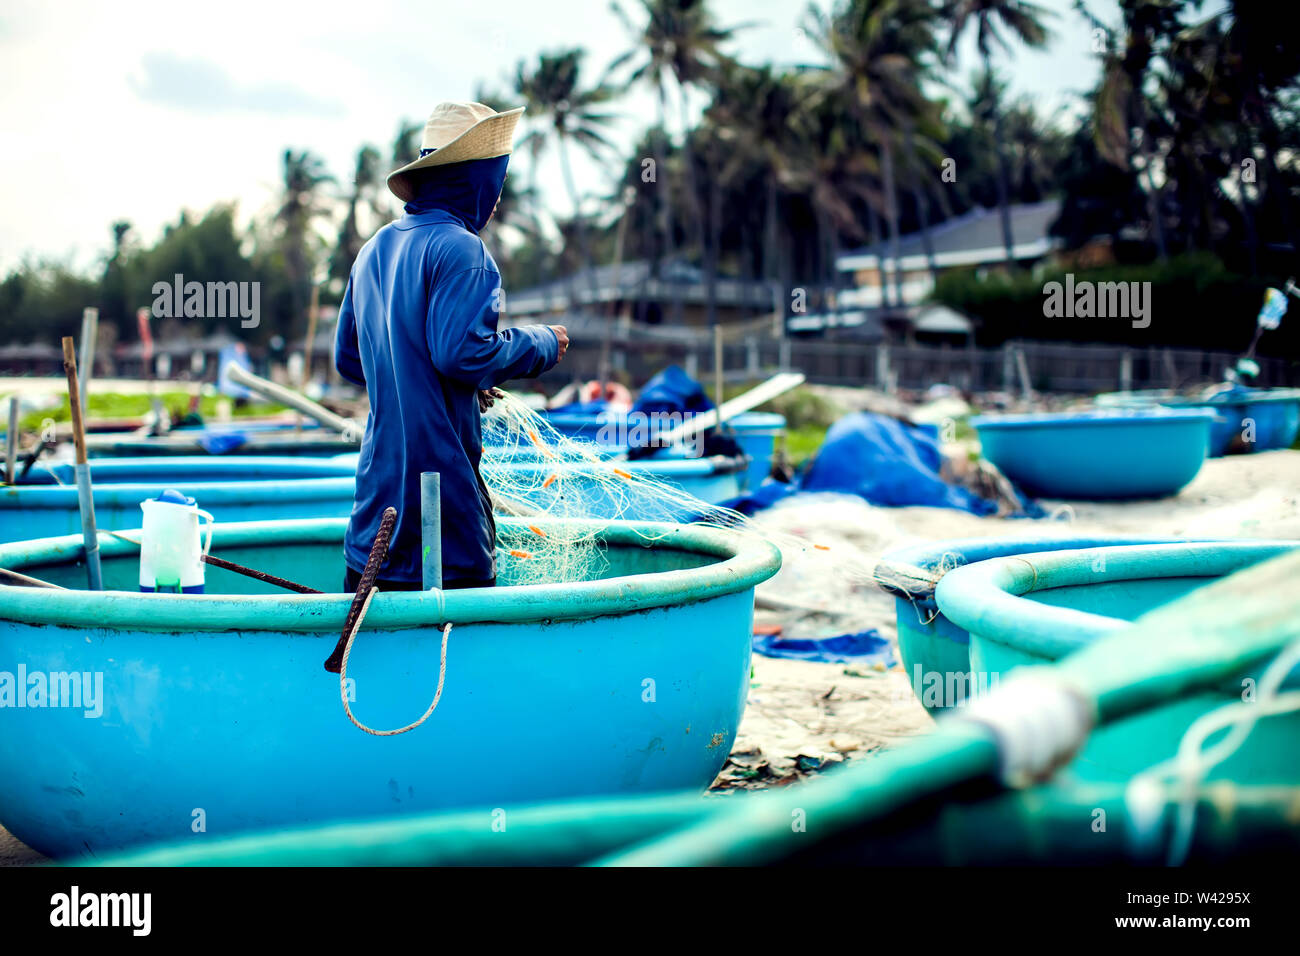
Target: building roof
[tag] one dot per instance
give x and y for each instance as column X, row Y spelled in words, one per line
column 969, row 239
column 633, row 280
column 939, row 319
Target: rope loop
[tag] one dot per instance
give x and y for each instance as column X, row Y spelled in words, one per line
column 343, row 675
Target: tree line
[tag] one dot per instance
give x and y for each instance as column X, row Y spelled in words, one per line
column 1183, row 148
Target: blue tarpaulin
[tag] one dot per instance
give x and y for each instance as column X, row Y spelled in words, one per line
column 883, row 461
column 672, row 390
column 864, row 647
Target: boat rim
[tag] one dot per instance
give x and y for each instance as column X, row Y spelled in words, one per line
column 1096, row 416
column 929, row 555
column 988, row 597
column 745, row 562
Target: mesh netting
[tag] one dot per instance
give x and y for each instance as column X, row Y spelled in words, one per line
column 532, row 470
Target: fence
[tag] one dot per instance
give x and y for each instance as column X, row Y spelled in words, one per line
column 1044, row 367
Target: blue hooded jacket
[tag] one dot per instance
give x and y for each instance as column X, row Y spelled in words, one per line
column 418, row 329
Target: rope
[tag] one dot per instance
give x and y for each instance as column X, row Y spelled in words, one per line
column 343, row 675
column 1193, row 760
column 1039, row 723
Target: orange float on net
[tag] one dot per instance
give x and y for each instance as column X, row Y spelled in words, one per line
column 537, row 531
column 514, row 553
column 622, row 474
column 548, row 481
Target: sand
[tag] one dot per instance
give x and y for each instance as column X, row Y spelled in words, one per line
column 823, row 713
column 803, row 717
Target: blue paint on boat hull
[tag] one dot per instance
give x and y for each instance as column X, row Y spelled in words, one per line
column 1039, row 608
column 936, row 652
column 232, row 488
column 630, row 684
column 1114, row 454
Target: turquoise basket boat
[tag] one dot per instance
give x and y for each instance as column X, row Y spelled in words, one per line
column 934, row 650
column 1040, row 608
column 1250, row 420
column 216, row 707
column 232, row 488
column 757, row 434
column 1112, row 454
column 1268, row 417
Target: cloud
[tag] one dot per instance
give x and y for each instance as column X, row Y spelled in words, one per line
column 204, row 86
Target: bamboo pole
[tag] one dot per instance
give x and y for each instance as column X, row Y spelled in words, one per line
column 11, row 443
column 85, row 493
column 287, row 396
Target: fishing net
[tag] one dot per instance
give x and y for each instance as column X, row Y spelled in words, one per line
column 532, row 470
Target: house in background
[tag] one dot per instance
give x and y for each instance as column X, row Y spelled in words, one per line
column 973, row 239
column 632, row 290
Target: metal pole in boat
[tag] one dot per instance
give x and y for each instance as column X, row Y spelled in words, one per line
column 431, row 528
column 85, row 497
column 86, row 367
column 11, row 443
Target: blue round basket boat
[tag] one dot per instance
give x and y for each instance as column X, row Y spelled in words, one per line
column 935, row 651
column 215, row 708
column 1097, row 455
column 1249, row 419
column 1040, row 608
column 232, row 488
column 756, row 433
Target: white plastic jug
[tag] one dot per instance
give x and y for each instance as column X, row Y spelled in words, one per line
column 171, row 556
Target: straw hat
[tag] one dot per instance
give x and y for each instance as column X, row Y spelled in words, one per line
column 456, row 133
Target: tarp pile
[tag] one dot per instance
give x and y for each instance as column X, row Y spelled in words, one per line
column 885, row 462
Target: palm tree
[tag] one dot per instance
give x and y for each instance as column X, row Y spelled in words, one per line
column 302, row 204
column 1122, row 106
column 992, row 20
column 877, row 51
column 365, row 181
column 677, row 39
column 566, row 112
column 406, row 148
column 758, row 107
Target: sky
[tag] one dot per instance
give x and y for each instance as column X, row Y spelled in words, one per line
column 139, row 108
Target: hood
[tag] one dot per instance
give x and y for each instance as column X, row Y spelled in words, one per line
column 469, row 190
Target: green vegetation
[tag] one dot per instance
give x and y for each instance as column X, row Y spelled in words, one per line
column 1192, row 297
column 807, row 413
column 118, row 405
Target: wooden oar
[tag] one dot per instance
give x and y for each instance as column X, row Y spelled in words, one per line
column 287, row 396
column 11, row 442
column 13, row 577
column 775, row 386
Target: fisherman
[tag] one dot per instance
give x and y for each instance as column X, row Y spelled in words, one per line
column 418, row 329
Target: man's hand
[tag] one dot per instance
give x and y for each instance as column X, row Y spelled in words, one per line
column 487, row 396
column 562, row 335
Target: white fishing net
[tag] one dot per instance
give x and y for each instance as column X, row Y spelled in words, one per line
column 532, row 470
